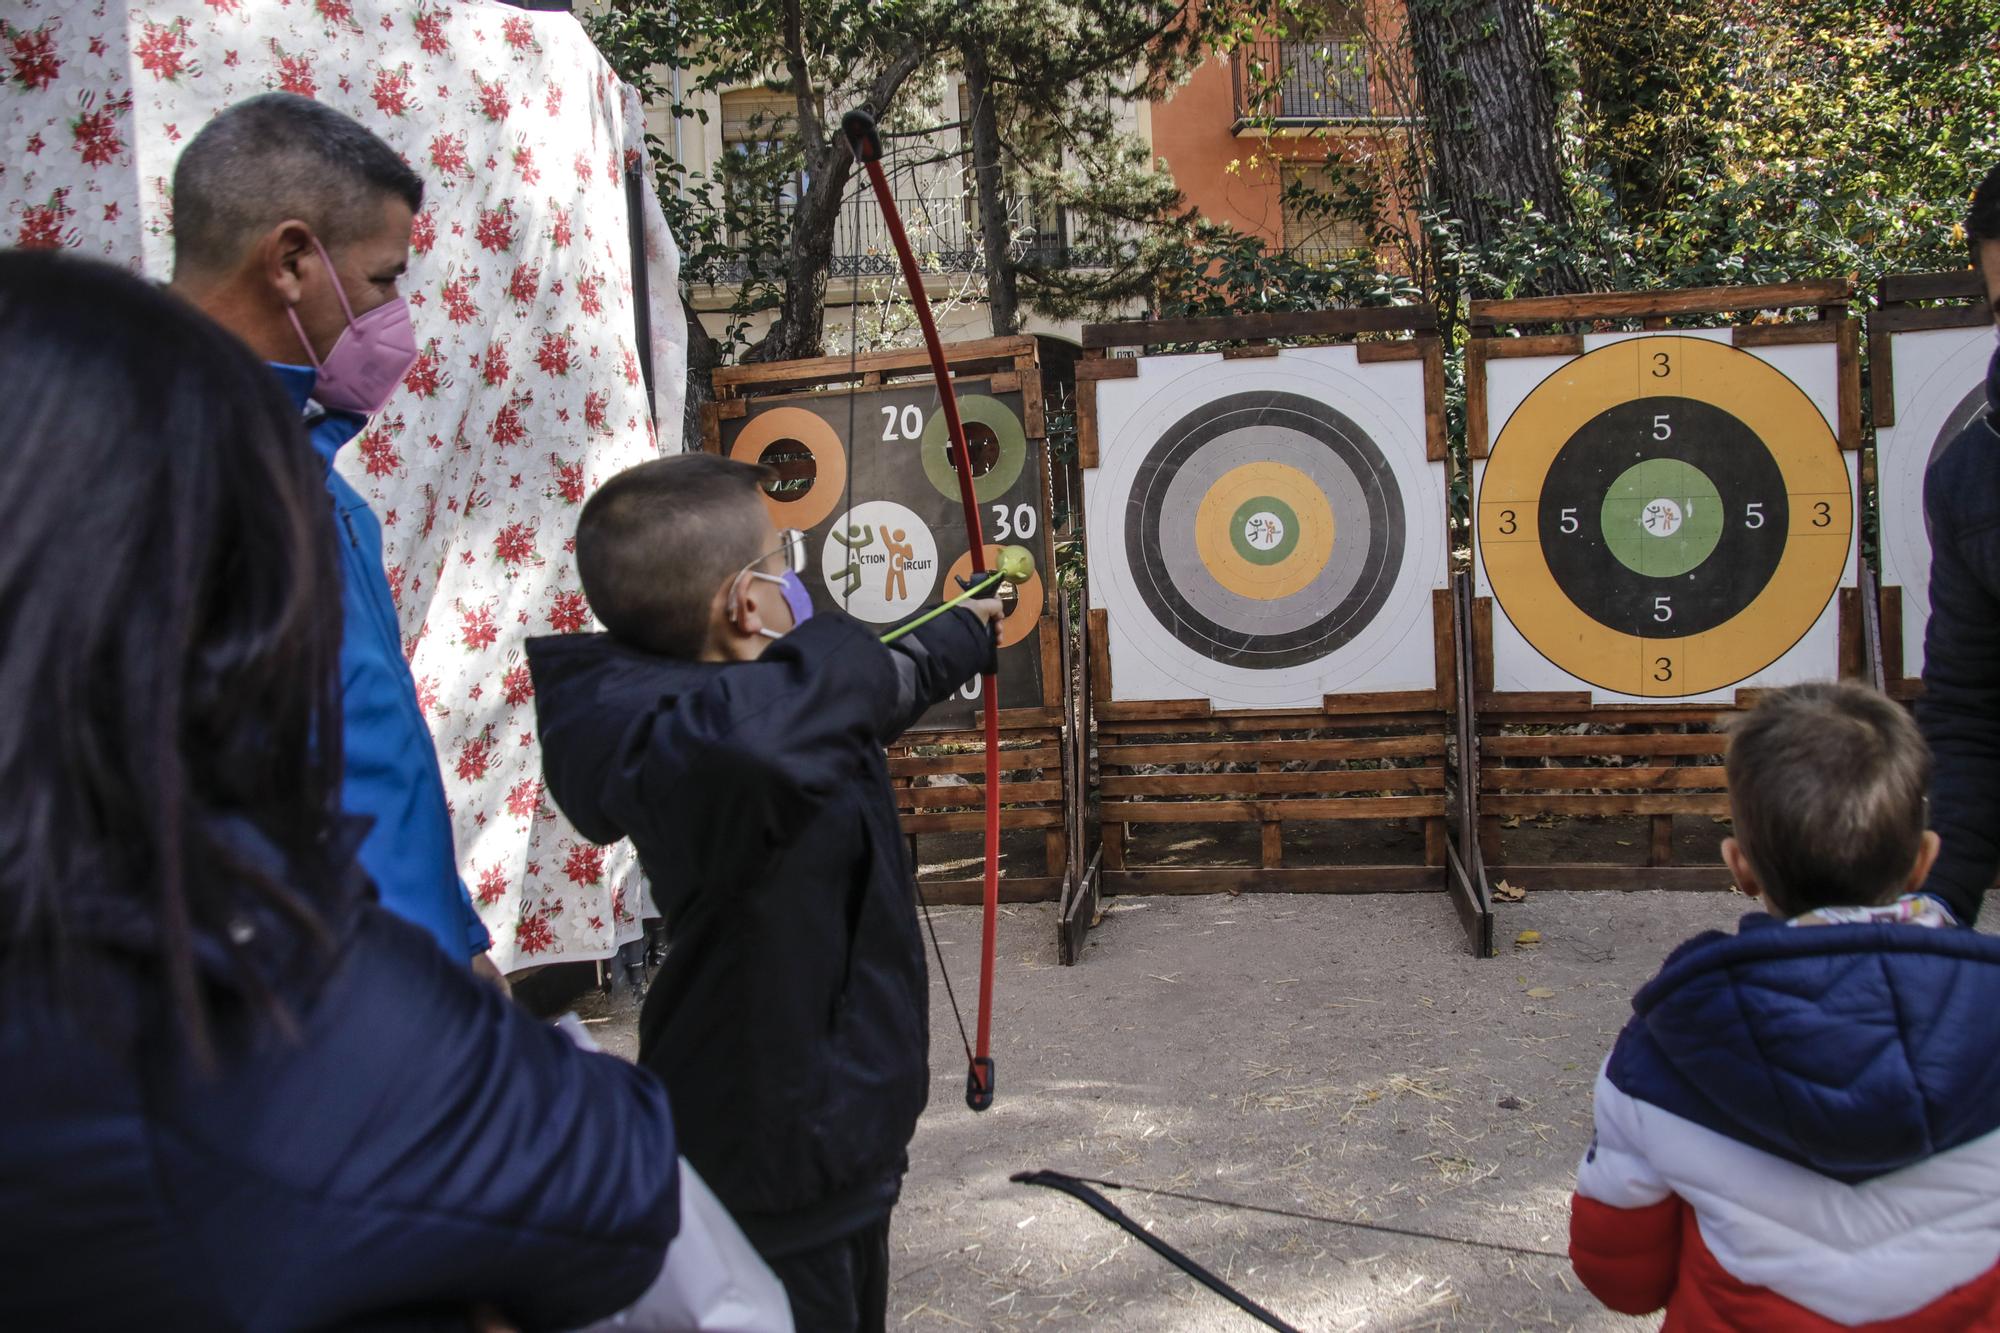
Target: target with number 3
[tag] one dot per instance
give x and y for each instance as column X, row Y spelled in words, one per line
column 1664, row 516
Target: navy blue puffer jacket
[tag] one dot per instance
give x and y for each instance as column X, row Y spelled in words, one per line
column 419, row 1145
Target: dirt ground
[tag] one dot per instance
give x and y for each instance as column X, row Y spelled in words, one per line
column 1341, row 1056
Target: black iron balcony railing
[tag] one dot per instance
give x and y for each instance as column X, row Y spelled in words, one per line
column 940, row 233
column 1300, row 80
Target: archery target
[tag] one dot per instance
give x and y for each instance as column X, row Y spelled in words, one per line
column 880, row 465
column 1665, row 516
column 1029, row 598
column 1266, row 531
column 1940, row 389
column 793, row 430
column 1002, row 431
column 880, row 562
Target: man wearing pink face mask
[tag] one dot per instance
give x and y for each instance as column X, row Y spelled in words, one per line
column 292, row 230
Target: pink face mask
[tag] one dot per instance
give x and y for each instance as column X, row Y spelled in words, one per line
column 370, row 357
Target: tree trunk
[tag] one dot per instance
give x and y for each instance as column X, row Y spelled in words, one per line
column 801, row 320
column 989, row 187
column 704, row 354
column 1491, row 118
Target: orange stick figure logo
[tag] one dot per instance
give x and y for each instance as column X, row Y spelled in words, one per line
column 898, row 587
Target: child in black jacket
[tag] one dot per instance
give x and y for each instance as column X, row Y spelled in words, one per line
column 737, row 739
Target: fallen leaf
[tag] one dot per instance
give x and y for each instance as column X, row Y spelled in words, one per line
column 1623, row 842
column 1512, row 821
column 1508, row 893
column 1527, row 939
column 1541, row 993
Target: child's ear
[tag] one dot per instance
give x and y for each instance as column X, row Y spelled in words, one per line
column 1927, row 855
column 1740, row 869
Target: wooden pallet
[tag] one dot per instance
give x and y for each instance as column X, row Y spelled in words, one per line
column 1908, row 303
column 1655, row 768
column 1375, row 758
column 939, row 774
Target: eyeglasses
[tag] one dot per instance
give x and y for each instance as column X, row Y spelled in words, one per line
column 792, row 546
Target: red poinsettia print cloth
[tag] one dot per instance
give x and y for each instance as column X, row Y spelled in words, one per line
column 527, row 394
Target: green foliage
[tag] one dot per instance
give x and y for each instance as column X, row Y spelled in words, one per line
column 1730, row 141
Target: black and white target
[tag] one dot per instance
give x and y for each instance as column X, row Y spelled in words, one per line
column 1940, row 387
column 1265, row 532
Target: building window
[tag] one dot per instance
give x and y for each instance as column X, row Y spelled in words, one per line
column 761, row 171
column 1317, row 70
column 1319, row 205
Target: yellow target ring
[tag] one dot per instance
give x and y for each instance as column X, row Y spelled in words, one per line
column 1264, row 531
column 1817, row 535
column 806, row 509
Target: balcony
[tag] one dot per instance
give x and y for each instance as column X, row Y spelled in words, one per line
column 940, row 232
column 1295, row 82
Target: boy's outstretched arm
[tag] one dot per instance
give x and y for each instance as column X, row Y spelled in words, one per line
column 933, row 660
column 765, row 743
column 1624, row 1221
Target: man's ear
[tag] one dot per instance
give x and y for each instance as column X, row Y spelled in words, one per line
column 281, row 256
column 1740, row 869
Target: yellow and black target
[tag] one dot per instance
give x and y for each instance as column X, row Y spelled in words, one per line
column 1665, row 516
column 1264, row 530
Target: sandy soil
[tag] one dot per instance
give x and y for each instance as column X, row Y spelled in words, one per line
column 1337, row 1056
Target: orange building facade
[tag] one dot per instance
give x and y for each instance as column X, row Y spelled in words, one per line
column 1314, row 102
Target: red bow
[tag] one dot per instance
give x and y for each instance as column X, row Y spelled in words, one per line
column 859, row 127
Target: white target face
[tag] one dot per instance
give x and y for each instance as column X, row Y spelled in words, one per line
column 1940, row 379
column 1266, row 532
column 880, row 562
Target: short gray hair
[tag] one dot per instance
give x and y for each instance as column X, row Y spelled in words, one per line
column 275, row 157
column 1827, row 783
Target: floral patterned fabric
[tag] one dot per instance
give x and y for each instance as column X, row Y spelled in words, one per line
column 529, row 391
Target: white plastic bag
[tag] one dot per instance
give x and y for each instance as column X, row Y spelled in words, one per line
column 713, row 1281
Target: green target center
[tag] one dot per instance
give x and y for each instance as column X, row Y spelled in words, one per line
column 1662, row 517
column 1264, row 530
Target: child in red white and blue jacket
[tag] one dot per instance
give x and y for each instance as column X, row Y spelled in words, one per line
column 1797, row 1128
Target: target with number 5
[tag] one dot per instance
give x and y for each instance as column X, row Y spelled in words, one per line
column 1664, row 516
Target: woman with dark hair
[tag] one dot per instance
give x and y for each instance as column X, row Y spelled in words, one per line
column 234, row 1092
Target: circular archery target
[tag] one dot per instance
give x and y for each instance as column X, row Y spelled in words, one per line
column 880, row 562
column 798, row 429
column 1665, row 516
column 1029, row 596
column 979, row 414
column 1940, row 389
column 1264, row 530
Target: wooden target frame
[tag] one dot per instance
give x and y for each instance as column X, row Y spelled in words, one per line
column 1568, row 753
column 1360, row 765
column 936, row 772
column 1924, row 326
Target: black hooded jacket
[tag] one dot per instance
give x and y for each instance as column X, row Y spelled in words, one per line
column 790, row 1020
column 1960, row 707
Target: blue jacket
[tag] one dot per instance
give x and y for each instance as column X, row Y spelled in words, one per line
column 1960, row 708
column 416, row 1145
column 392, row 767
column 1796, row 1130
